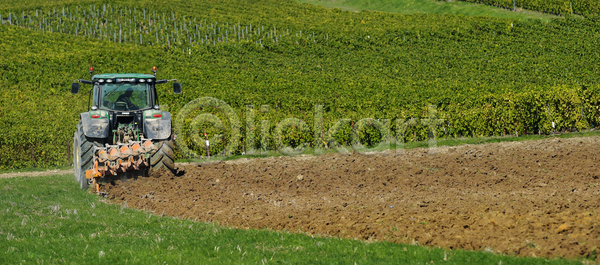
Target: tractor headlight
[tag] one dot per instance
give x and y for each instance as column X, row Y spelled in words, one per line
column 109, row 80
column 100, row 80
column 142, row 80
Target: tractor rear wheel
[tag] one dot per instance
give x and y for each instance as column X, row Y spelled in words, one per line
column 164, row 156
column 83, row 154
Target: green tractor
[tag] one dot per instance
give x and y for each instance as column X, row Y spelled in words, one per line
column 124, row 133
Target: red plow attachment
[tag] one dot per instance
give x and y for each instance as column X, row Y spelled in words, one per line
column 121, row 159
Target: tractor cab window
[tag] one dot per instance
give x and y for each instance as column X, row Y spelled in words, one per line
column 125, row 96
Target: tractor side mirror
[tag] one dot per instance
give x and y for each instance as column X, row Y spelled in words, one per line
column 177, row 88
column 75, row 88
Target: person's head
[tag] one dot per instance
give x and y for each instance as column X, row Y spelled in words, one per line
column 129, row 92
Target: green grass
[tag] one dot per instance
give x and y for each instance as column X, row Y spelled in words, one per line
column 35, row 169
column 49, row 220
column 428, row 6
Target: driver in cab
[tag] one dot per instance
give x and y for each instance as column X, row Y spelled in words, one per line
column 126, row 98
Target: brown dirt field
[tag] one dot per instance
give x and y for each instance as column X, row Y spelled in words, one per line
column 532, row 198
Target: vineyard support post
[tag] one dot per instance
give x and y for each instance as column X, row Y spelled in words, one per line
column 207, row 146
column 571, row 4
column 551, row 119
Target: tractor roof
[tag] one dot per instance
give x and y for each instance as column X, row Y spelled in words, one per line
column 122, row 76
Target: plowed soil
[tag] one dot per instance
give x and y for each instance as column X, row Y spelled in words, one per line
column 532, row 198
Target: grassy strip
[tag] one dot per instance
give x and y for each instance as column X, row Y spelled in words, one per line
column 49, row 220
column 35, row 169
column 429, row 6
column 411, row 145
column 500, row 139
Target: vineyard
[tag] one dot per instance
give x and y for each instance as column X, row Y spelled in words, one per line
column 350, row 77
column 560, row 7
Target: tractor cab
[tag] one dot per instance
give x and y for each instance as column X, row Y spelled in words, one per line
column 125, row 104
column 124, row 130
column 124, row 92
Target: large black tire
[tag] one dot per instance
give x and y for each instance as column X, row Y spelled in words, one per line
column 164, row 157
column 83, row 154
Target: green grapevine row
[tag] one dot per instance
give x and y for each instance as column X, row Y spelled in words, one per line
column 122, row 24
column 559, row 7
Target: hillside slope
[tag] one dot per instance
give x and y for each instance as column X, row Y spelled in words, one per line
column 486, row 76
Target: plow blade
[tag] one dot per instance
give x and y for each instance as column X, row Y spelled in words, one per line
column 120, row 160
